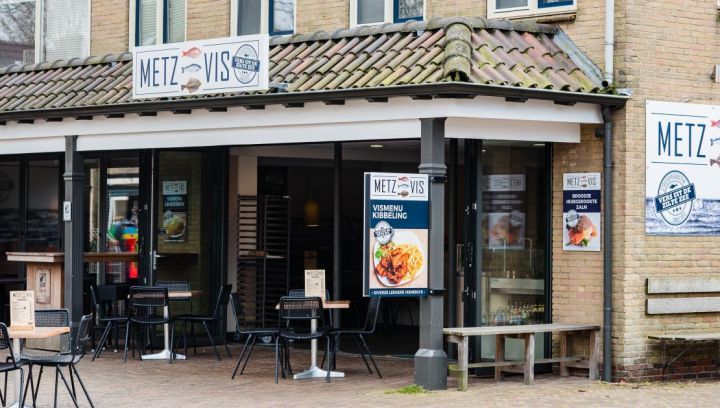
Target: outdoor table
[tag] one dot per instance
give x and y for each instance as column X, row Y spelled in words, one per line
column 36, row 333
column 314, row 371
column 165, row 353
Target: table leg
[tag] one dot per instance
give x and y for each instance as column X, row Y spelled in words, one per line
column 314, row 371
column 499, row 355
column 166, row 353
column 563, row 353
column 18, row 375
column 463, row 364
column 529, row 358
column 593, row 373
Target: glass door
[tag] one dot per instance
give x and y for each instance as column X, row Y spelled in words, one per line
column 188, row 224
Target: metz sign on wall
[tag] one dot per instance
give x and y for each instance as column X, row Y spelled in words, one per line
column 223, row 65
column 682, row 193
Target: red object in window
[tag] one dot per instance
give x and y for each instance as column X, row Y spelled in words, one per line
column 130, row 246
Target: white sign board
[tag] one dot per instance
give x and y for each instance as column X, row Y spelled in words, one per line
column 581, row 211
column 315, row 283
column 682, row 154
column 22, row 309
column 222, row 65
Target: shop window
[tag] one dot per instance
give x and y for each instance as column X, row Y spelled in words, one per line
column 248, row 16
column 158, row 22
column 64, row 32
column 282, row 17
column 364, row 12
column 528, row 8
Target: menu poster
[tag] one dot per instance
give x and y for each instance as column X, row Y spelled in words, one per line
column 503, row 220
column 315, row 283
column 42, row 286
column 581, row 212
column 174, row 203
column 22, row 309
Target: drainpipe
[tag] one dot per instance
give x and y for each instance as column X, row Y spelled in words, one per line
column 607, row 244
column 609, row 41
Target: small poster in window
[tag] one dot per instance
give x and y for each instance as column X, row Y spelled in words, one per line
column 22, row 309
column 175, row 210
column 315, row 283
column 42, row 286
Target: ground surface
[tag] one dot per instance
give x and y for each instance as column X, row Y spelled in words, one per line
column 203, row 381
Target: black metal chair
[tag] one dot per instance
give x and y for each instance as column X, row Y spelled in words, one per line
column 359, row 334
column 10, row 364
column 61, row 360
column 36, row 349
column 107, row 321
column 216, row 317
column 177, row 286
column 296, row 310
column 143, row 311
column 252, row 335
column 300, row 293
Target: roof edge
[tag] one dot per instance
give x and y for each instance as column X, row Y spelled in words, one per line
column 439, row 90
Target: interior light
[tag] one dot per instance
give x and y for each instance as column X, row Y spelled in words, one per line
column 539, row 144
column 312, row 213
column 377, row 146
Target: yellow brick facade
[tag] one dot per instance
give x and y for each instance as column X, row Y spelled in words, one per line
column 207, row 19
column 109, row 28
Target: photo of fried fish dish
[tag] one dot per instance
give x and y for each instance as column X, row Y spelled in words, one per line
column 398, row 262
column 582, row 233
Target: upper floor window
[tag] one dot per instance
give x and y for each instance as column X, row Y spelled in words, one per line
column 276, row 17
column 61, row 32
column 385, row 11
column 525, row 8
column 158, row 21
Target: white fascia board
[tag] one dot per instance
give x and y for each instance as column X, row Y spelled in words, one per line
column 518, row 130
column 32, row 145
column 277, row 124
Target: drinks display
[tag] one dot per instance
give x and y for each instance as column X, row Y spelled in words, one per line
column 518, row 313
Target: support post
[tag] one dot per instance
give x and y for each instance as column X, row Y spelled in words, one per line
column 607, row 243
column 337, row 232
column 430, row 359
column 452, row 242
column 74, row 178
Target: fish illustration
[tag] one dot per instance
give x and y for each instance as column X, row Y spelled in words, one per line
column 715, row 161
column 193, row 52
column 714, row 123
column 192, row 85
column 190, row 68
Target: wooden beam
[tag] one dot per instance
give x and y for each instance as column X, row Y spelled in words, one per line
column 683, row 285
column 683, row 305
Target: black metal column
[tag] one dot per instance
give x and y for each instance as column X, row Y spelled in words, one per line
column 430, row 359
column 452, row 241
column 74, row 178
column 337, row 231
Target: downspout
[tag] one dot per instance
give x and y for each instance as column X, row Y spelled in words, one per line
column 607, row 243
column 609, row 42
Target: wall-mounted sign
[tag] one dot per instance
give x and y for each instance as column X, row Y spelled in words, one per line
column 396, row 226
column 67, row 211
column 315, row 283
column 222, row 65
column 42, row 286
column 22, row 309
column 581, row 211
column 503, row 219
column 175, row 210
column 682, row 154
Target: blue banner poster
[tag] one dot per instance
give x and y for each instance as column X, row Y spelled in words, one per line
column 581, row 212
column 682, row 154
column 396, row 226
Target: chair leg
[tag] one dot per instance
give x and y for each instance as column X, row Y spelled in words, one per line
column 82, row 384
column 37, row 386
column 67, row 386
column 247, row 358
column 217, row 354
column 276, row 359
column 242, row 354
column 194, row 339
column 172, row 340
column 185, row 336
column 72, row 382
column 286, row 346
column 127, row 340
column 225, row 343
column 367, row 350
column 362, row 354
column 3, row 395
column 329, row 353
column 57, row 370
column 103, row 340
column 28, row 384
column 22, row 399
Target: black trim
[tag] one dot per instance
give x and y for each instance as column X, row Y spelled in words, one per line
column 442, row 90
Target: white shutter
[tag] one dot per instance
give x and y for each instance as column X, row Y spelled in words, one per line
column 176, row 21
column 66, row 29
column 370, row 11
column 147, row 22
column 249, row 17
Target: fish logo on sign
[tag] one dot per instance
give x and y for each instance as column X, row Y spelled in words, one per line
column 246, row 64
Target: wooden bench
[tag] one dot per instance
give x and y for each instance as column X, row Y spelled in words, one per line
column 461, row 335
column 669, row 296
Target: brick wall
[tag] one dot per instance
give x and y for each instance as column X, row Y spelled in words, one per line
column 109, row 26
column 316, row 15
column 207, row 19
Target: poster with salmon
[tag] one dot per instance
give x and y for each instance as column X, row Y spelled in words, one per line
column 682, row 154
column 396, row 223
column 581, row 212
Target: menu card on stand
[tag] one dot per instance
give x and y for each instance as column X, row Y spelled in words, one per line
column 315, row 283
column 22, row 309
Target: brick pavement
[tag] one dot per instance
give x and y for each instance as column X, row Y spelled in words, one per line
column 203, row 381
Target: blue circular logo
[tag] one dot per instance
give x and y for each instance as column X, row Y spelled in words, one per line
column 246, row 64
column 675, row 206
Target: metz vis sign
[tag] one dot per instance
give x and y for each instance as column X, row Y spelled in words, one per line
column 223, row 65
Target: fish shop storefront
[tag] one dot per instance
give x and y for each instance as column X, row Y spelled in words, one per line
column 160, row 159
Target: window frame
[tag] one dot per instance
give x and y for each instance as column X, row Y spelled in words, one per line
column 161, row 22
column 390, row 15
column 271, row 16
column 533, row 9
column 264, row 16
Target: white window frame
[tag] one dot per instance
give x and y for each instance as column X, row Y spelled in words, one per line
column 389, row 16
column 159, row 23
column 530, row 10
column 264, row 16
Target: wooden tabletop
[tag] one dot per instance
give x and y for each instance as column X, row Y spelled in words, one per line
column 37, row 332
column 183, row 294
column 519, row 329
column 331, row 304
